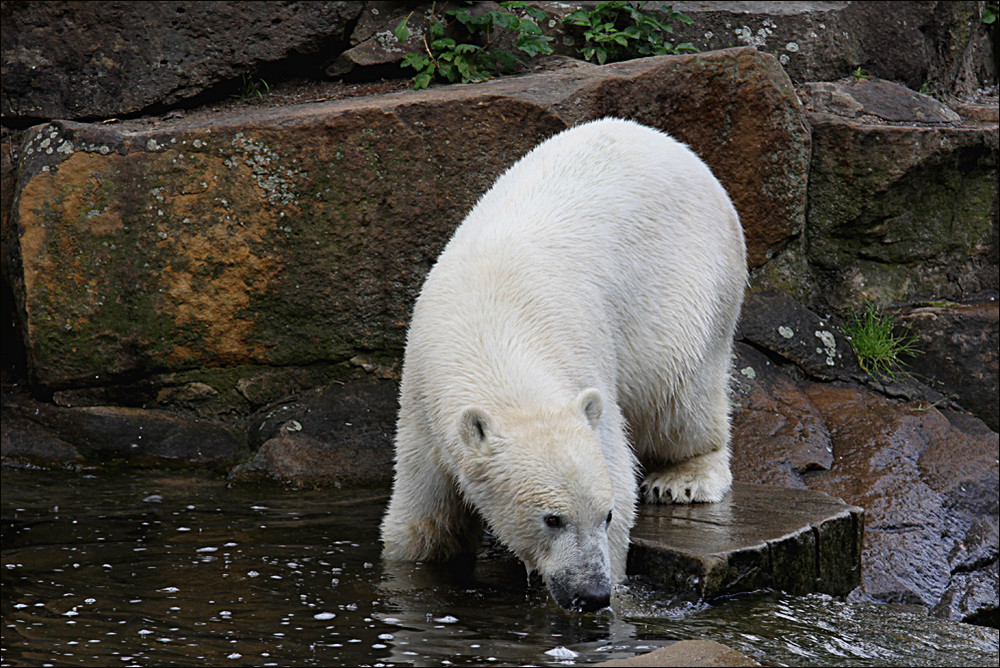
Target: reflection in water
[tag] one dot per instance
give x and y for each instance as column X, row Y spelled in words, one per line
column 141, row 568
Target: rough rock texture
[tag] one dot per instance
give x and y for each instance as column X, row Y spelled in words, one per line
column 927, row 479
column 775, row 322
column 74, row 60
column 758, row 537
column 901, row 214
column 686, row 653
column 340, row 435
column 856, row 98
column 958, row 353
column 300, row 235
column 911, row 42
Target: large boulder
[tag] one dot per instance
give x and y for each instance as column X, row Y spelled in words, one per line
column 926, row 477
column 299, row 235
column 902, row 202
column 76, row 60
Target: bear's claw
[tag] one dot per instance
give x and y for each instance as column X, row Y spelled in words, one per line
column 701, row 479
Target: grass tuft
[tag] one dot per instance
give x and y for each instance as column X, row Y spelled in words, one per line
column 877, row 345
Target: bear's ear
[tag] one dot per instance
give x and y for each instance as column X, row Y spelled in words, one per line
column 474, row 426
column 590, row 403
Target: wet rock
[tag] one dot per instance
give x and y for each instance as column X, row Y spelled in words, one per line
column 687, row 653
column 24, row 442
column 900, row 214
column 958, row 346
column 37, row 433
column 299, row 235
column 928, row 481
column 776, row 322
column 109, row 59
column 778, row 434
column 340, row 435
column 759, row 537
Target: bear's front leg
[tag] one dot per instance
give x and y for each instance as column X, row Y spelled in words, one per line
column 700, row 479
column 426, row 519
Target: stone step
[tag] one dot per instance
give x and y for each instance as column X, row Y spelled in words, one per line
column 759, row 537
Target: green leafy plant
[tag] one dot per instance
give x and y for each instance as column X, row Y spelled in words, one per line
column 990, row 13
column 251, row 85
column 877, row 345
column 494, row 36
column 615, row 31
column 858, row 74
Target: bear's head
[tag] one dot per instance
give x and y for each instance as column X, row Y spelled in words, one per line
column 540, row 481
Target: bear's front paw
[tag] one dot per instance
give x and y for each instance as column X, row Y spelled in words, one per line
column 701, row 479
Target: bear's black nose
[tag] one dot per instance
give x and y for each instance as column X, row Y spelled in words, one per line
column 592, row 599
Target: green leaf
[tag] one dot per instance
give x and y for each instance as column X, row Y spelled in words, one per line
column 402, row 32
column 417, row 61
column 443, row 44
column 422, row 80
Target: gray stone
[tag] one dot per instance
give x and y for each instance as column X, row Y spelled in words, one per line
column 759, row 537
column 875, row 97
column 105, row 59
column 777, row 323
column 37, row 433
column 900, row 214
column 910, row 42
column 337, row 436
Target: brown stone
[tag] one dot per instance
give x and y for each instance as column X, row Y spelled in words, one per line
column 301, row 234
column 778, row 434
column 928, row 481
column 758, row 537
column 687, row 653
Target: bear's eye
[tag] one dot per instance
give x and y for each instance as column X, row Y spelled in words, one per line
column 608, row 520
column 553, row 521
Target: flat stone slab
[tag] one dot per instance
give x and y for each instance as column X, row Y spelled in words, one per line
column 758, row 537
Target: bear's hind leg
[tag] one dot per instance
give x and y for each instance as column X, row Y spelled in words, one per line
column 686, row 453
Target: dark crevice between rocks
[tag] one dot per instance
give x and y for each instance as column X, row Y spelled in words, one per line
column 780, row 362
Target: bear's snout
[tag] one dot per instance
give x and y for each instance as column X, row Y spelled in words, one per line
column 592, row 599
column 587, row 597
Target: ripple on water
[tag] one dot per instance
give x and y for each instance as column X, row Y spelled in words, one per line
column 164, row 569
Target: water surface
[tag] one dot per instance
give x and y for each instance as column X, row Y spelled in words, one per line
column 161, row 568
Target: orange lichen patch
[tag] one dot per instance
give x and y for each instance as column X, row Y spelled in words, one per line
column 213, row 266
column 58, row 208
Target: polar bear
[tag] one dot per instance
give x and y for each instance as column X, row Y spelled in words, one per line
column 578, row 323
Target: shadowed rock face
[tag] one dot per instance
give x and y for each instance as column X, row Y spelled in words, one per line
column 106, row 59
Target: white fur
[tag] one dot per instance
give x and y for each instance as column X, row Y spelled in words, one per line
column 591, row 294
